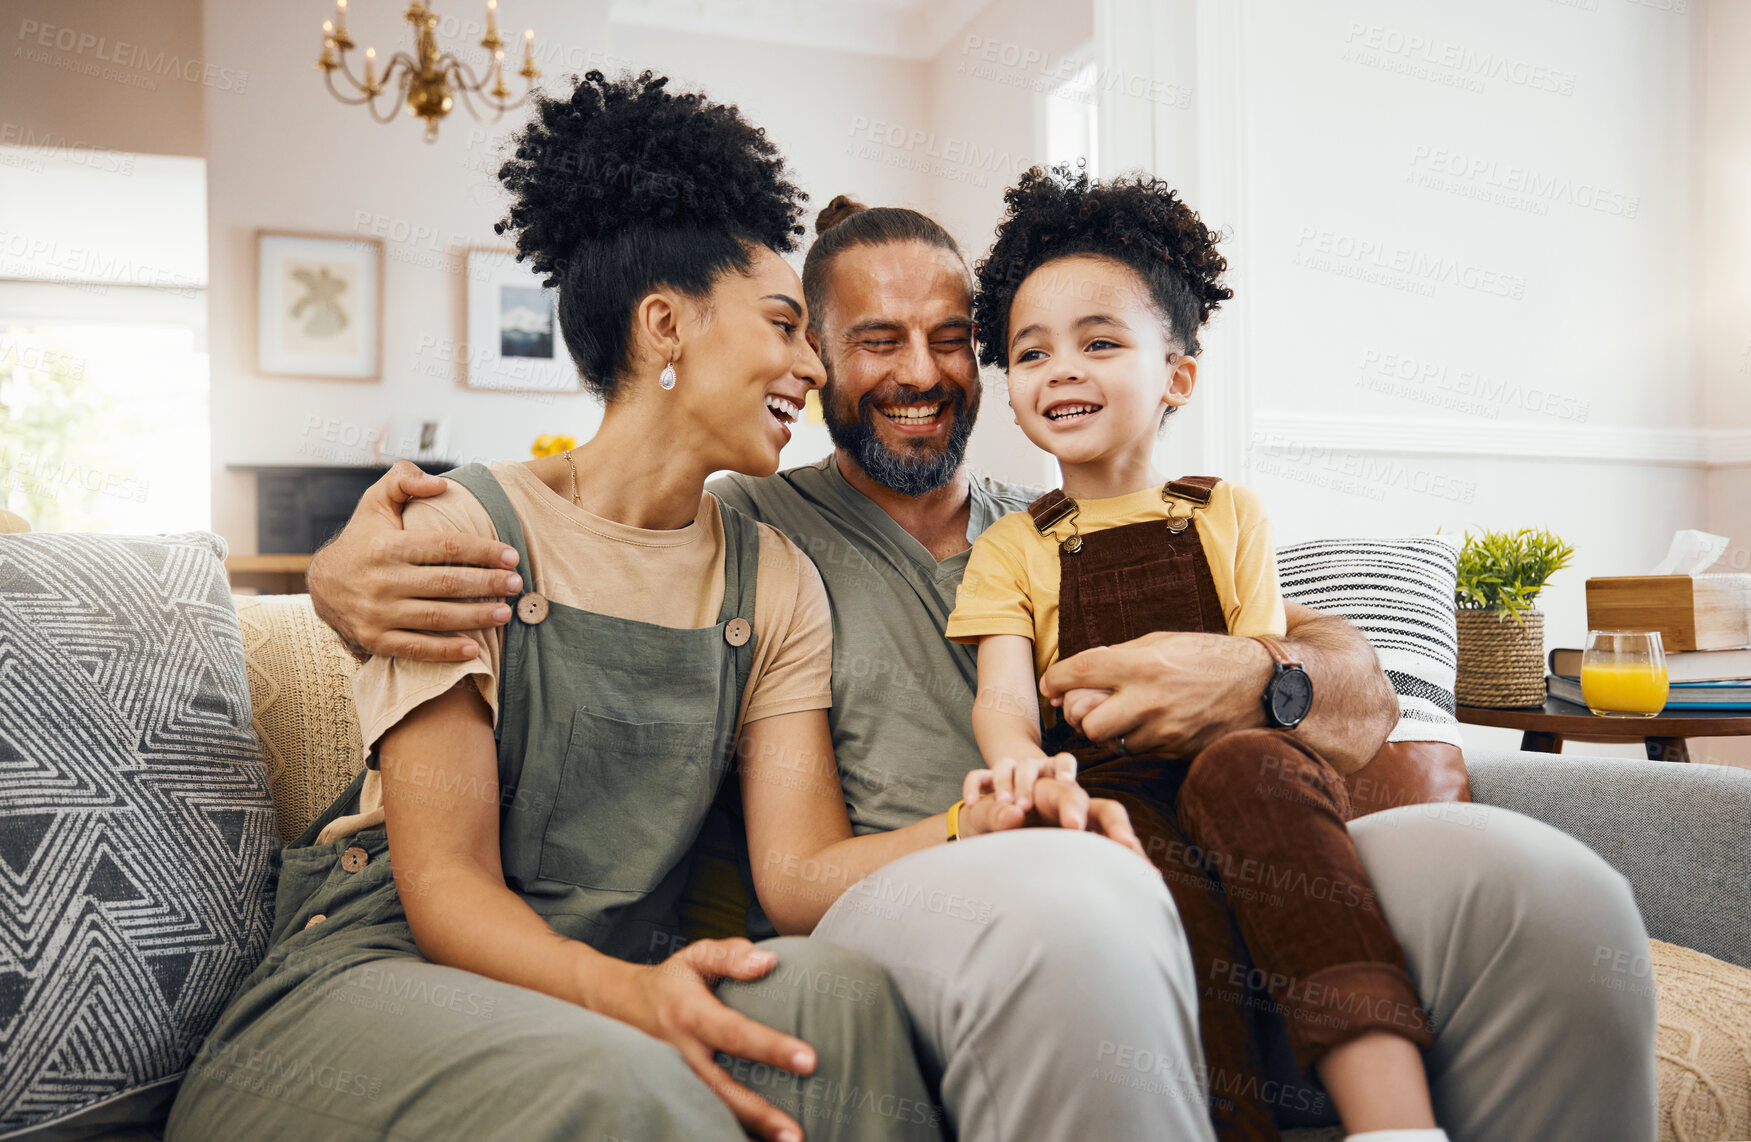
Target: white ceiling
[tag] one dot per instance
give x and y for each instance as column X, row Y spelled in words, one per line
column 905, row 29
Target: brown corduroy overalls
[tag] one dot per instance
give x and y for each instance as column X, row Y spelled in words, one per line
column 1249, row 834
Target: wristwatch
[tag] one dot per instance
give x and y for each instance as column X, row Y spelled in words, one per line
column 1289, row 693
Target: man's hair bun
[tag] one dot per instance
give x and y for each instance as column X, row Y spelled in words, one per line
column 842, row 207
column 627, row 153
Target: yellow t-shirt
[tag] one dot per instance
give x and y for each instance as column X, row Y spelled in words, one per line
column 579, row 559
column 1011, row 584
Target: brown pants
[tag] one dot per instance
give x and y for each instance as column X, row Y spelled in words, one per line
column 1278, row 910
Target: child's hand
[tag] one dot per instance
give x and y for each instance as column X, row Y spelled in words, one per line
column 1076, row 704
column 1056, row 803
column 1012, row 781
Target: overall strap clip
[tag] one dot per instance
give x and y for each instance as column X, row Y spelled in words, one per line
column 1052, row 509
column 1195, row 488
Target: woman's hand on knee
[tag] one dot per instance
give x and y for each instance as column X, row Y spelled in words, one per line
column 673, row 1001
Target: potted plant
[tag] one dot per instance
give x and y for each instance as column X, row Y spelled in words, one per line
column 1501, row 634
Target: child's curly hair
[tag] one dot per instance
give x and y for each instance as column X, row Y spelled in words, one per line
column 1139, row 221
column 625, row 186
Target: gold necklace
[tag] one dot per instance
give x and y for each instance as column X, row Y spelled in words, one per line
column 572, row 464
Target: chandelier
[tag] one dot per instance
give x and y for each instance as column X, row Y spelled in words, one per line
column 428, row 81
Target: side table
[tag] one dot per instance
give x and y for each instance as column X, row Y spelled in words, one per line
column 1543, row 729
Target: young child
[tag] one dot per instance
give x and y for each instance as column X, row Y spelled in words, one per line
column 1092, row 298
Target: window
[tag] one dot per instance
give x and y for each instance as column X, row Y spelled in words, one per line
column 103, row 370
column 1071, row 114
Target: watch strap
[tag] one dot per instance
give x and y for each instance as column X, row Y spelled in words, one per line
column 1279, row 653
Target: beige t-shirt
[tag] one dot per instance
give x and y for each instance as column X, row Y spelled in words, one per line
column 578, row 559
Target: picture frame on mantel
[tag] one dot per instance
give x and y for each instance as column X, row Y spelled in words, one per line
column 511, row 325
column 319, row 305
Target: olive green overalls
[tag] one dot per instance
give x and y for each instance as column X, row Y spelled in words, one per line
column 613, row 737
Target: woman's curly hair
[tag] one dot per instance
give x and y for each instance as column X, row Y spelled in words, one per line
column 1140, row 222
column 624, row 186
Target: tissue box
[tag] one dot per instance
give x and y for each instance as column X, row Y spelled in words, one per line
column 1691, row 612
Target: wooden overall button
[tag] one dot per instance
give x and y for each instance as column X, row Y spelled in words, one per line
column 532, row 608
column 736, row 632
column 315, row 920
column 354, row 859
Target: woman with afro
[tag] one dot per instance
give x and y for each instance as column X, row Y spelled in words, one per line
column 1091, row 299
column 482, row 937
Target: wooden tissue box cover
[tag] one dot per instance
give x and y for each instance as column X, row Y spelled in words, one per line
column 1691, row 612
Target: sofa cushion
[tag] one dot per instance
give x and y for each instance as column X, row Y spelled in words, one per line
column 1399, row 593
column 1677, row 833
column 300, row 689
column 1703, row 1044
column 136, row 831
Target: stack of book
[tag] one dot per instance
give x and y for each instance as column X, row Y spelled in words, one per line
column 1701, row 679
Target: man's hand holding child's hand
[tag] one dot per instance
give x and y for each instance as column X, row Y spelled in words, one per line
column 1076, row 704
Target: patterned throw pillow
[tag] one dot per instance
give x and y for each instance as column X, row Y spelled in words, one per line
column 1400, row 593
column 136, row 833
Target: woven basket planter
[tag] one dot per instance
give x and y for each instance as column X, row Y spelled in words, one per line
column 1501, row 662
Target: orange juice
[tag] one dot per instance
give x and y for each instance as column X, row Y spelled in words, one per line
column 1624, row 687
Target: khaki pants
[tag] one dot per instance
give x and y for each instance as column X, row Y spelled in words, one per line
column 1053, row 994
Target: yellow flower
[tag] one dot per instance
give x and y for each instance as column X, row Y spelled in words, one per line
column 553, row 445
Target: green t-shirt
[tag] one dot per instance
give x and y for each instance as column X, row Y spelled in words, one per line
column 902, row 714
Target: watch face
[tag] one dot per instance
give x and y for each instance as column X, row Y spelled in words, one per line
column 1291, row 696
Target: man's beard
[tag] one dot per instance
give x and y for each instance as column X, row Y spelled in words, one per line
column 913, row 470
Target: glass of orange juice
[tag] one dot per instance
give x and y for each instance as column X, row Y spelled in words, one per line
column 1623, row 673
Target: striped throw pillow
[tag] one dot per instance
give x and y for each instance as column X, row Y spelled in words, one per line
column 1400, row 593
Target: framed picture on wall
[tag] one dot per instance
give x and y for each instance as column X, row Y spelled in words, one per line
column 319, row 305
column 513, row 328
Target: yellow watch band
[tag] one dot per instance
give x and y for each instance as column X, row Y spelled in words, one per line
column 954, row 821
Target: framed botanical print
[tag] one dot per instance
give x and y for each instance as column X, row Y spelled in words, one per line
column 513, row 328
column 319, row 305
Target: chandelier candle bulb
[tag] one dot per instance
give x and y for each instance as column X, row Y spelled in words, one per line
column 499, row 90
column 429, row 81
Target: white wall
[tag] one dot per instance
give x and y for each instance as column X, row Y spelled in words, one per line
column 84, row 74
column 1723, row 237
column 1464, row 262
column 986, row 126
column 820, row 107
column 286, row 155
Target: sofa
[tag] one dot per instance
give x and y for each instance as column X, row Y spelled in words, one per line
column 1681, row 835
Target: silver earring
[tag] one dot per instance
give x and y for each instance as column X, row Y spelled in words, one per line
column 667, row 380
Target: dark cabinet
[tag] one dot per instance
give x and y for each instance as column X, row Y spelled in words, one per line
column 298, row 509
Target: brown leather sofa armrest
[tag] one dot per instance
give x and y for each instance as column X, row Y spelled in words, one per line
column 1409, row 773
